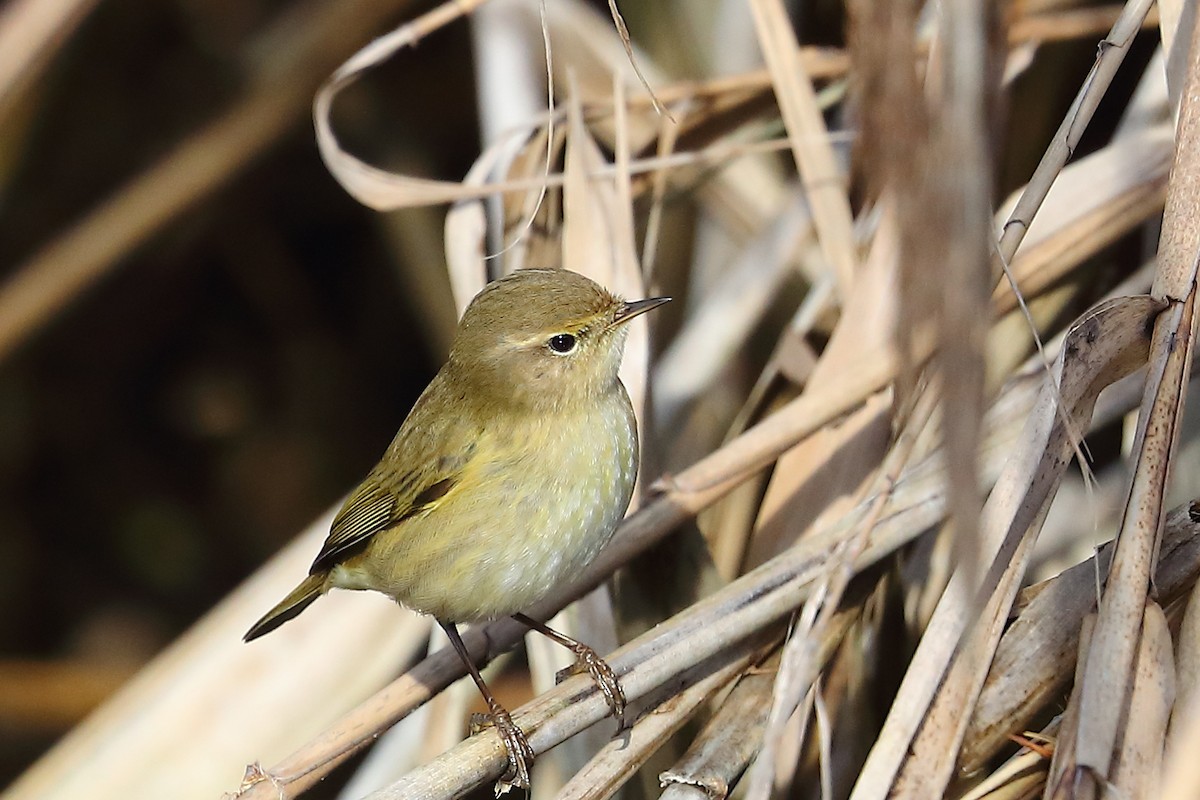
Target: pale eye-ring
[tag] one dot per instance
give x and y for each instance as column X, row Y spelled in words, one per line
column 562, row 343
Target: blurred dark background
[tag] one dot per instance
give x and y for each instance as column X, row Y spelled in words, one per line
column 230, row 378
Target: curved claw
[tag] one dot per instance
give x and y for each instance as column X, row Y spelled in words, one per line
column 588, row 660
column 520, row 754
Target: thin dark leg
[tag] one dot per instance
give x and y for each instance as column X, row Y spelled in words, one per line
column 586, row 659
column 520, row 754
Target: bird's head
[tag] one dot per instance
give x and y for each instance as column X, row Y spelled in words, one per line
column 542, row 337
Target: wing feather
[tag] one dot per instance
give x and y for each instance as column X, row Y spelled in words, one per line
column 436, row 451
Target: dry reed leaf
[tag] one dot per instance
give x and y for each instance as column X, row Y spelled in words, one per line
column 1037, row 654
column 820, row 479
column 188, row 724
column 866, row 326
column 1137, row 767
column 926, row 719
column 1110, row 661
column 371, row 186
column 815, row 159
column 572, row 28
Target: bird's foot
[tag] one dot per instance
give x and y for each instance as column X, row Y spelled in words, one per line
column 589, row 661
column 520, row 753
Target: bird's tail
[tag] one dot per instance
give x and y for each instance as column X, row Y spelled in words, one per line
column 300, row 598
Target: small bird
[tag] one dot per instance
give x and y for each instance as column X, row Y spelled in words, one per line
column 509, row 475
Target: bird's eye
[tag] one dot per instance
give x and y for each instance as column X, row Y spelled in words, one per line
column 562, row 343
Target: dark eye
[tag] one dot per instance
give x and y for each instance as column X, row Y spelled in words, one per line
column 562, row 343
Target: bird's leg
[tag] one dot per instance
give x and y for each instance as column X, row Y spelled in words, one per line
column 586, row 660
column 520, row 754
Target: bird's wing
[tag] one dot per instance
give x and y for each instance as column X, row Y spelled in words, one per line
column 423, row 465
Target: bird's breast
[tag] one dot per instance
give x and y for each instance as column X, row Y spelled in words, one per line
column 540, row 503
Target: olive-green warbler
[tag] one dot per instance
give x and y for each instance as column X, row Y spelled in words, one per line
column 509, row 475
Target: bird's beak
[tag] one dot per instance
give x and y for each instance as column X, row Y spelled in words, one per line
column 631, row 309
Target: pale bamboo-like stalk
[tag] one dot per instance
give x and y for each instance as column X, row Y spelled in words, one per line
column 728, row 742
column 1112, row 52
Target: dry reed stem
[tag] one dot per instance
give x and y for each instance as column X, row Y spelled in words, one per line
column 1103, row 196
column 815, row 159
column 1112, row 52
